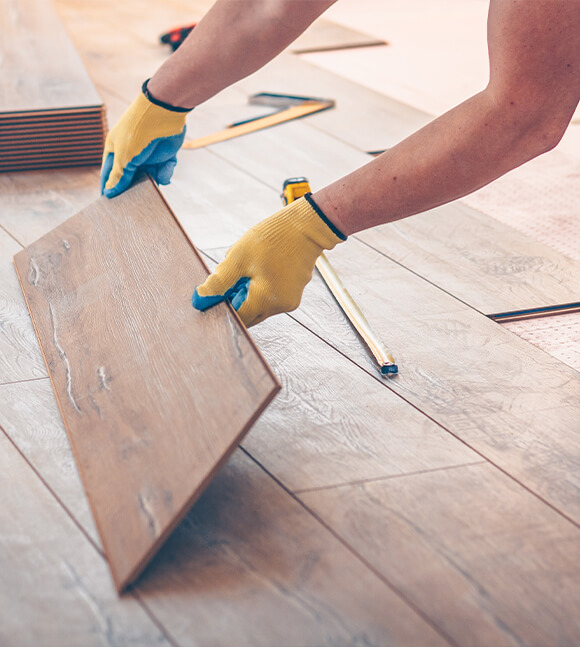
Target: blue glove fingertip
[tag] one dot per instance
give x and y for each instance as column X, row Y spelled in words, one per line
column 236, row 295
column 106, row 171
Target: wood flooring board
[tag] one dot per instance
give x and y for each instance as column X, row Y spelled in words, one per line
column 41, row 70
column 29, row 416
column 249, row 567
column 485, row 560
column 464, row 252
column 20, row 357
column 153, row 396
column 55, row 588
column 513, row 403
column 35, row 202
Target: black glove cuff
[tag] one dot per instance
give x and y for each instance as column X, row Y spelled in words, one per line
column 161, row 104
column 335, row 230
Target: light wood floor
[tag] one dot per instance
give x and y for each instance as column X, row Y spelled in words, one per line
column 438, row 508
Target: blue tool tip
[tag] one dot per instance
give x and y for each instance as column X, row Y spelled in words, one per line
column 389, row 369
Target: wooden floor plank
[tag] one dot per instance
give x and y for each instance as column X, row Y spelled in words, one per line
column 20, row 357
column 42, row 69
column 35, row 202
column 56, row 589
column 494, row 269
column 215, row 565
column 135, row 369
column 483, row 558
column 250, row 567
column 506, row 399
column 30, row 417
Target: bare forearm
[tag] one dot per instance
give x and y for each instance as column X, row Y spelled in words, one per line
column 459, row 152
column 533, row 91
column 234, row 39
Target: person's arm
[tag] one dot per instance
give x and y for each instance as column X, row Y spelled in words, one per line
column 534, row 88
column 234, row 39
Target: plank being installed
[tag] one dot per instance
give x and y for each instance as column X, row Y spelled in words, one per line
column 154, row 395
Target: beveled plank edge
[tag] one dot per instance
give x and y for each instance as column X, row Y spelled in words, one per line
column 357, row 555
column 122, row 583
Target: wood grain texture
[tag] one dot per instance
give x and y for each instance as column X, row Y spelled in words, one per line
column 41, row 69
column 494, row 269
column 29, row 416
column 44, row 84
column 33, row 203
column 249, row 567
column 153, row 395
column 56, row 589
column 20, row 357
column 324, row 35
column 514, row 404
column 485, row 560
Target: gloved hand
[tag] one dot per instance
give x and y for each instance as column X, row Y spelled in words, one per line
column 147, row 137
column 266, row 271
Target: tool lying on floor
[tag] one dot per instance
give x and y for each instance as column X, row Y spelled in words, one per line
column 174, row 37
column 291, row 107
column 294, row 188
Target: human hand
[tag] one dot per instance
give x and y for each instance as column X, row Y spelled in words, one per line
column 147, row 137
column 266, row 271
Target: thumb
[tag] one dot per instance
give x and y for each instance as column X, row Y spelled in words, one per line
column 218, row 287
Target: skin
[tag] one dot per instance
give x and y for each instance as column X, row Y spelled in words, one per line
column 533, row 90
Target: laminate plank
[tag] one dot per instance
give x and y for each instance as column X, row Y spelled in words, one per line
column 214, row 564
column 250, row 567
column 135, row 368
column 29, row 416
column 55, row 586
column 509, row 401
column 35, row 202
column 494, row 269
column 20, row 357
column 485, row 560
column 42, row 70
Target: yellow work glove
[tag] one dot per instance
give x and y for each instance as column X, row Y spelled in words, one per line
column 266, row 271
column 147, row 137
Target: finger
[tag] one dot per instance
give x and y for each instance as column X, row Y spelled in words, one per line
column 106, row 169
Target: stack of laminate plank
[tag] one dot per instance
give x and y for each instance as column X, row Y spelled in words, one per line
column 50, row 113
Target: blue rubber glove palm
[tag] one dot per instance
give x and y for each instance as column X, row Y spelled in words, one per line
column 147, row 137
